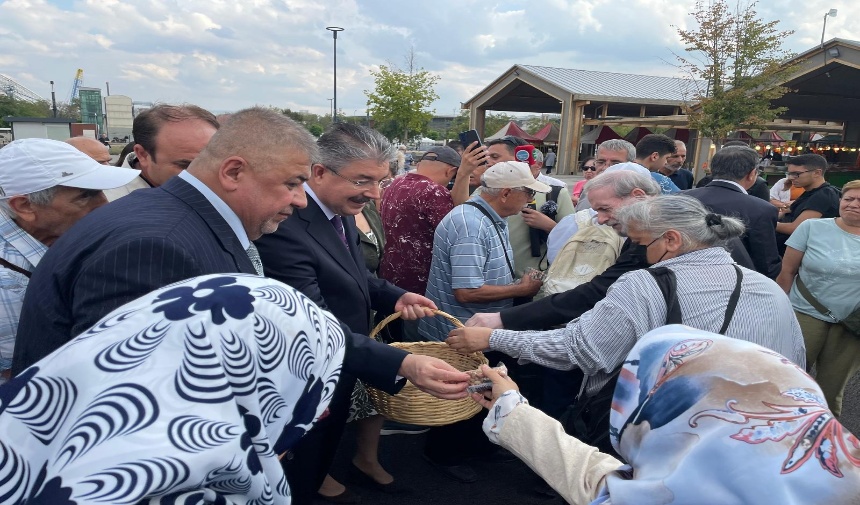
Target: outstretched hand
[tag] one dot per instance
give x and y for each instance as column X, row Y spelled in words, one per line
column 434, row 376
column 501, row 384
column 466, row 340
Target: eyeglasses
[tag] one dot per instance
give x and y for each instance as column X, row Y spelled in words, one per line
column 382, row 183
column 600, row 163
column 589, row 168
column 795, row 175
column 528, row 191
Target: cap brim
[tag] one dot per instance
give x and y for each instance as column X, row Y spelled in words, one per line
column 105, row 177
column 540, row 187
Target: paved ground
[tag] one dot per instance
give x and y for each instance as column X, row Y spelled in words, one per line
column 499, row 481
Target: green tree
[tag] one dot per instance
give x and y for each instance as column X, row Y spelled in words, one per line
column 736, row 60
column 400, row 101
column 21, row 108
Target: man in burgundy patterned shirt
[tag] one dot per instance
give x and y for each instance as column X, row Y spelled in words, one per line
column 414, row 205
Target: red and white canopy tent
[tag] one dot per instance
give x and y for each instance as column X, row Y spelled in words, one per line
column 636, row 134
column 513, row 129
column 548, row 134
column 599, row 135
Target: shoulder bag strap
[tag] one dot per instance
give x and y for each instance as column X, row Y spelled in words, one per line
column 668, row 284
column 499, row 232
column 16, row 268
column 733, row 301
column 804, row 291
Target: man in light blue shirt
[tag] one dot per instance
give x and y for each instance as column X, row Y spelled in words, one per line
column 46, row 186
column 472, row 269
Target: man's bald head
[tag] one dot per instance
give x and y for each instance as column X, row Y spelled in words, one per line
column 92, row 148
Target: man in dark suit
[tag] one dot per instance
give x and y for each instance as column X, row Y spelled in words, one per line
column 243, row 184
column 197, row 223
column 734, row 171
column 317, row 252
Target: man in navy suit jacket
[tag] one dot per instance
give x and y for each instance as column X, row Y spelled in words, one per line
column 243, row 184
column 734, row 171
column 317, row 251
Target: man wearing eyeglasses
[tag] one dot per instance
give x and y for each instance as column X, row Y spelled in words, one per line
column 610, row 152
column 317, row 252
column 819, row 198
column 529, row 227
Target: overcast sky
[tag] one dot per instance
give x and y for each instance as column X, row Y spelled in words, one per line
column 228, row 54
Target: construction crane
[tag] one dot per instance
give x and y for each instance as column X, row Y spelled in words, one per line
column 17, row 91
column 76, row 85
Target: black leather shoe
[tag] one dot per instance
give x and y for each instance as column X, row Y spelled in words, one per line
column 461, row 473
column 345, row 498
column 360, row 478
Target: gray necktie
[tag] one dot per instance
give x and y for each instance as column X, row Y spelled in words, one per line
column 254, row 256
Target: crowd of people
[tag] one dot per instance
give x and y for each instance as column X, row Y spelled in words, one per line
column 190, row 326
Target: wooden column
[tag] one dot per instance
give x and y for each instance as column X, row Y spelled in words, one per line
column 569, row 135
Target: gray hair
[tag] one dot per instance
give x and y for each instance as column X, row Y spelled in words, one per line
column 623, row 182
column 698, row 227
column 346, row 143
column 40, row 198
column 260, row 135
column 733, row 163
column 619, row 145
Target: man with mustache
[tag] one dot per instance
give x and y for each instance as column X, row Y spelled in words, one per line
column 317, row 252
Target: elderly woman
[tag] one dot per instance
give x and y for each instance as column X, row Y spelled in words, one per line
column 699, row 418
column 683, row 241
column 187, row 394
column 821, row 273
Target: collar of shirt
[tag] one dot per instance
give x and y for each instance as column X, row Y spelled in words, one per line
column 222, row 208
column 734, row 183
column 22, row 242
column 328, row 212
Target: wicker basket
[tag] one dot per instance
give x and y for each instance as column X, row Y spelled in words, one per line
column 413, row 406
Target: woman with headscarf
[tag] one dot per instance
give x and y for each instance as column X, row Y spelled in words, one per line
column 699, row 418
column 186, row 395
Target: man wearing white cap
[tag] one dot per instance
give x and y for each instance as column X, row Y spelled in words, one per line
column 45, row 187
column 472, row 271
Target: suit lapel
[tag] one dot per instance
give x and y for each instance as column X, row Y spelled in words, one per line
column 222, row 231
column 322, row 231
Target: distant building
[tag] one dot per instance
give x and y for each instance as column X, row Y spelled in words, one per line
column 119, row 116
column 54, row 128
column 91, row 107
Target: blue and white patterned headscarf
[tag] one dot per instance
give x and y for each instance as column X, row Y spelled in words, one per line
column 702, row 418
column 186, row 395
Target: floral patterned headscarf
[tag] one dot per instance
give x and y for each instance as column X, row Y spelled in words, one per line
column 185, row 395
column 706, row 419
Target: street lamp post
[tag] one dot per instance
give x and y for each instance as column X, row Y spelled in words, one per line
column 831, row 13
column 53, row 99
column 334, row 30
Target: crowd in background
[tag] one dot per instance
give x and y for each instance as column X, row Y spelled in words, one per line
column 191, row 325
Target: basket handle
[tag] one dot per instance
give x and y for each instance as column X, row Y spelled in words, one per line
column 453, row 320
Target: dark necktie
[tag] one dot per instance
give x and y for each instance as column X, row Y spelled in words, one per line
column 337, row 222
